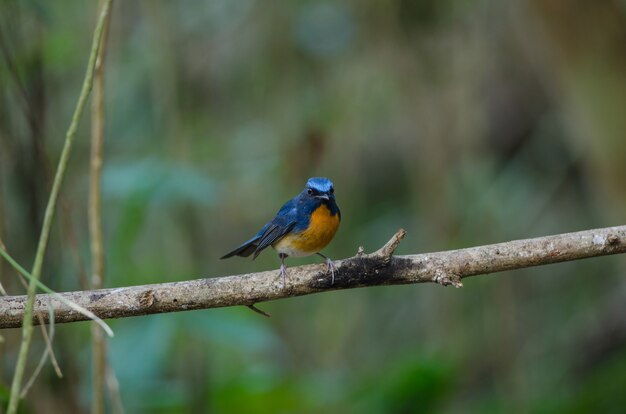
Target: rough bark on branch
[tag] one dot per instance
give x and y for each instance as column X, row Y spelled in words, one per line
column 378, row 268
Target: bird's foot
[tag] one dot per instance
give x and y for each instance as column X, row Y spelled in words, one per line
column 283, row 273
column 331, row 269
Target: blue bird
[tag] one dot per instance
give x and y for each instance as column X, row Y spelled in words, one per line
column 303, row 226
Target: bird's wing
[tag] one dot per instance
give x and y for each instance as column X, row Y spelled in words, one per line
column 273, row 231
column 276, row 229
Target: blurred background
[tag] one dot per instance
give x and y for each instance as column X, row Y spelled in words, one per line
column 464, row 122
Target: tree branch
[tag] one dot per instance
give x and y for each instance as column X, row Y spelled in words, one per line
column 362, row 270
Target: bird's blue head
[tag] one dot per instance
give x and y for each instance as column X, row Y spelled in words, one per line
column 320, row 187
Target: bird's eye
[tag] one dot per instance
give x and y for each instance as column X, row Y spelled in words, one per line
column 309, row 191
column 332, row 190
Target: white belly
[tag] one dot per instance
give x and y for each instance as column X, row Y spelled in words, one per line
column 290, row 251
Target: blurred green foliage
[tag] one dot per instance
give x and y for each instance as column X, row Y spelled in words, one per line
column 463, row 122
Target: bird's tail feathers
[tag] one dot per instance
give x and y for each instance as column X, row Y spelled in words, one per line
column 245, row 249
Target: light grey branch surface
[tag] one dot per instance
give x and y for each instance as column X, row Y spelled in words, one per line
column 378, row 268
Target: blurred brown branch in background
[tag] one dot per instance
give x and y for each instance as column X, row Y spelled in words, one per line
column 98, row 341
column 362, row 270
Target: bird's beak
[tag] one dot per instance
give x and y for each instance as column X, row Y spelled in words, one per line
column 323, row 197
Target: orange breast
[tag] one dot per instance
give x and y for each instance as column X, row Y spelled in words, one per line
column 321, row 231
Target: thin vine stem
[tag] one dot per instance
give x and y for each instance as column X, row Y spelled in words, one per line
column 71, row 304
column 27, row 328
